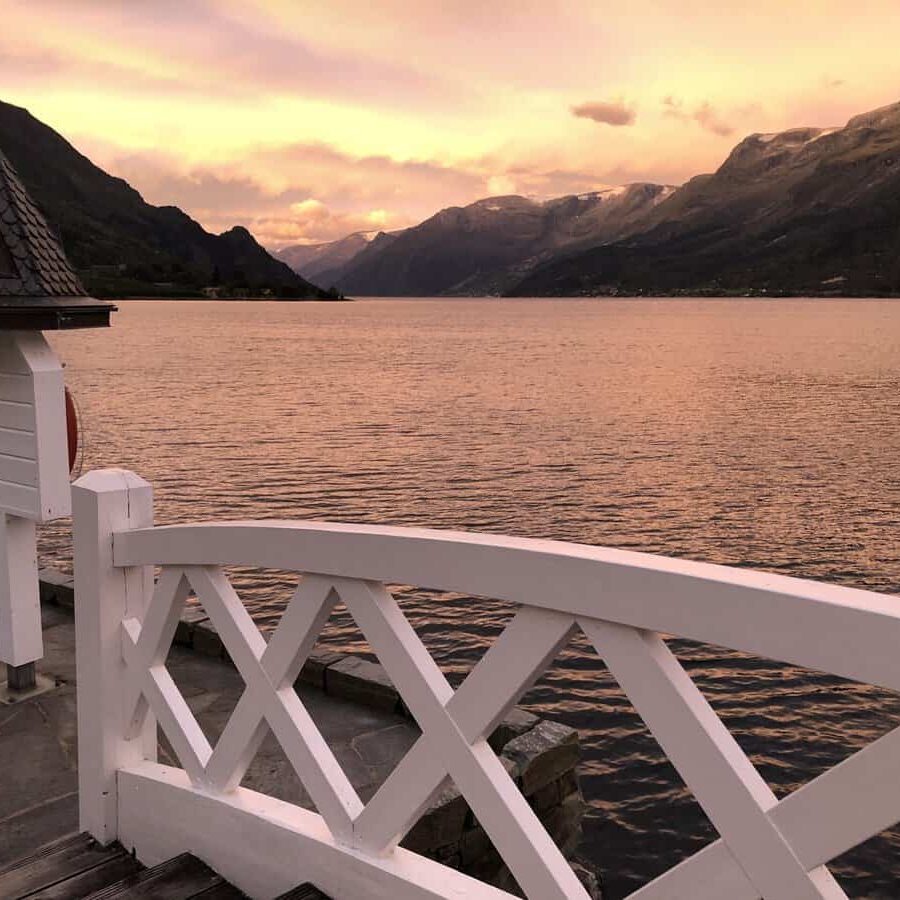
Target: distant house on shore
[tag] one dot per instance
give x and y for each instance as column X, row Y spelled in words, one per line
column 221, row 292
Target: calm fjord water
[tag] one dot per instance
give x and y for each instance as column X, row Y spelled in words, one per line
column 752, row 433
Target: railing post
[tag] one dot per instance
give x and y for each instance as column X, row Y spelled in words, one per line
column 103, row 503
column 21, row 643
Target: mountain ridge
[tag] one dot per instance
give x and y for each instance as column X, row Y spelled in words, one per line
column 121, row 245
column 315, row 259
column 488, row 245
column 805, row 211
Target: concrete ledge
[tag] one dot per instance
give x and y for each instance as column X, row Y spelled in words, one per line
column 317, row 664
column 205, row 639
column 42, row 686
column 57, row 588
column 191, row 617
column 361, row 681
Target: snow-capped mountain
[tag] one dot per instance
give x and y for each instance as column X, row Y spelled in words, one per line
column 318, row 258
column 486, row 247
column 806, row 211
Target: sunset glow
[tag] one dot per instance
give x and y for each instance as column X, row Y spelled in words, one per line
column 306, row 121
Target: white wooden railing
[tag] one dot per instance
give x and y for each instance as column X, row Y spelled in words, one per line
column 622, row 601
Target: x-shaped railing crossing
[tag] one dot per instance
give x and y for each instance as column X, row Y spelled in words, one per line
column 770, row 849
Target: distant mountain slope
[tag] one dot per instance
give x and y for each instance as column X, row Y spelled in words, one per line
column 809, row 210
column 338, row 274
column 311, row 260
column 486, row 247
column 119, row 243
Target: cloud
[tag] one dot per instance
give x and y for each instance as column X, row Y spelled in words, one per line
column 312, row 222
column 541, row 182
column 201, row 192
column 342, row 179
column 500, row 185
column 299, row 193
column 705, row 115
column 197, row 47
column 615, row 113
column 45, row 67
column 674, row 108
column 311, row 192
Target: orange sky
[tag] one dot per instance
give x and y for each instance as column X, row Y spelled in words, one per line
column 305, row 121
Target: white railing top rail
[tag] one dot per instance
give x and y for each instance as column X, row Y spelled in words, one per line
column 805, row 623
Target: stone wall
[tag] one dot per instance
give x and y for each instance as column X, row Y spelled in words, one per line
column 541, row 756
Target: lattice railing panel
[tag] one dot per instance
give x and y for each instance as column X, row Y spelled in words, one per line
column 454, row 726
column 757, row 856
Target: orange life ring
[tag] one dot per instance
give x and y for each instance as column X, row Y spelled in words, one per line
column 71, row 429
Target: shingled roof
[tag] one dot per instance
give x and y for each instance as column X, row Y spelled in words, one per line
column 42, row 269
column 34, row 272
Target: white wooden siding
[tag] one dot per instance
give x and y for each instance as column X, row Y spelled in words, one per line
column 34, row 470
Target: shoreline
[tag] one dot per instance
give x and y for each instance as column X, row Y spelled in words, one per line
column 237, row 299
column 494, row 297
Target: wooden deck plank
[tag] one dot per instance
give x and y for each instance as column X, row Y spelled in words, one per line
column 223, row 891
column 82, row 885
column 68, row 843
column 181, row 878
column 55, row 863
column 304, row 892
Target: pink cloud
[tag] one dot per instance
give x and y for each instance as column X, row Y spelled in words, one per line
column 615, row 113
column 705, row 115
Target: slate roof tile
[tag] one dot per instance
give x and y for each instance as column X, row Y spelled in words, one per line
column 43, row 270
